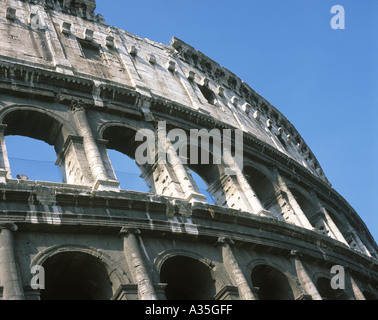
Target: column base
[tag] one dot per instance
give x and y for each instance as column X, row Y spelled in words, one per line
column 107, row 185
column 228, row 293
column 130, row 291
column 126, row 292
column 266, row 213
column 304, row 296
column 3, row 176
column 197, row 197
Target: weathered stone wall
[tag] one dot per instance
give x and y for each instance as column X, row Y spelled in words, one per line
column 122, row 61
column 85, row 87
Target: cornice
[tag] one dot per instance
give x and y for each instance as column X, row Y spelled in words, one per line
column 123, row 99
column 108, row 212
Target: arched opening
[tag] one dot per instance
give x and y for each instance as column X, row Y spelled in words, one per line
column 36, row 125
column 76, row 276
column 202, row 186
column 327, row 292
column 122, row 146
column 338, row 220
column 32, row 159
column 187, row 279
column 351, row 237
column 33, row 140
column 263, row 188
column 204, row 164
column 305, row 204
column 271, row 284
column 127, row 172
column 207, row 178
column 309, row 209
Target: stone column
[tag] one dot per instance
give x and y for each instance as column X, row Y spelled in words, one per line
column 186, row 181
column 189, row 85
column 358, row 294
column 233, row 269
column 9, row 273
column 54, row 45
column 5, row 171
column 365, row 245
column 250, row 195
column 328, row 220
column 242, row 189
column 335, row 230
column 73, row 163
column 91, row 149
column 300, row 218
column 168, row 163
column 354, row 240
column 303, row 276
column 135, row 260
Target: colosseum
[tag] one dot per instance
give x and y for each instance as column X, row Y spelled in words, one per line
column 275, row 230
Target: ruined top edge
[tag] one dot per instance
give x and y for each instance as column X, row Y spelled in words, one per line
column 81, row 8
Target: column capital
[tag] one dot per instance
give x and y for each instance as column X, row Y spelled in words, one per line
column 8, row 226
column 78, row 105
column 273, row 167
column 313, row 193
column 225, row 240
column 296, row 254
column 228, row 292
column 348, row 269
column 129, row 230
column 3, row 126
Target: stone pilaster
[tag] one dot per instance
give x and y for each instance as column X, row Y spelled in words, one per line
column 54, row 45
column 358, row 294
column 303, row 276
column 5, row 171
column 366, row 246
column 189, row 85
column 188, row 186
column 354, row 240
column 9, row 273
column 73, row 163
column 123, row 48
column 227, row 293
column 246, row 197
column 296, row 215
column 136, row 262
column 102, row 181
column 233, row 269
column 169, row 163
column 335, row 232
column 126, row 292
column 227, row 191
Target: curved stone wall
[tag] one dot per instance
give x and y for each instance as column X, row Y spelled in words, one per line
column 277, row 227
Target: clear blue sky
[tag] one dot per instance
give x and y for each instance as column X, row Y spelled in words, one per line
column 323, row 80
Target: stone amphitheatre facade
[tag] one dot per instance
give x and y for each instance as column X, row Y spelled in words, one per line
column 277, row 228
